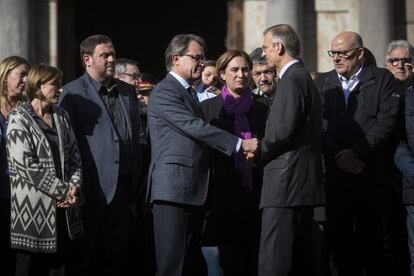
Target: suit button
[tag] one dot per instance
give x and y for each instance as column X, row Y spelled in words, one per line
column 116, row 161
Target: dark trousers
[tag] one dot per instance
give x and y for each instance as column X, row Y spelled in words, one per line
column 107, row 230
column 33, row 264
column 8, row 256
column 177, row 231
column 359, row 226
column 286, row 242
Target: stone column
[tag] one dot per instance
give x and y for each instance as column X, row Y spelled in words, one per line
column 254, row 24
column 333, row 17
column 14, row 28
column 376, row 26
column 286, row 12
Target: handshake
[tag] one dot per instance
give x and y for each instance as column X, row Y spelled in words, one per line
column 70, row 198
column 250, row 148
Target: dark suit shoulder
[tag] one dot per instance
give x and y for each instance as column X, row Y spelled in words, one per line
column 211, row 108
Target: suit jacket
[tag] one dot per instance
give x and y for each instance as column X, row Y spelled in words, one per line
column 98, row 139
column 367, row 124
column 179, row 170
column 291, row 147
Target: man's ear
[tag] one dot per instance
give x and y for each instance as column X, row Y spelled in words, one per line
column 176, row 60
column 361, row 53
column 87, row 60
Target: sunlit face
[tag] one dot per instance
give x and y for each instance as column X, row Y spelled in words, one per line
column 16, row 80
column 101, row 64
column 347, row 65
column 397, row 65
column 50, row 91
column 236, row 75
column 269, row 50
column 132, row 75
column 190, row 65
column 208, row 76
column 264, row 77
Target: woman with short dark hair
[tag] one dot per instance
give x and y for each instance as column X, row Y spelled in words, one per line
column 45, row 176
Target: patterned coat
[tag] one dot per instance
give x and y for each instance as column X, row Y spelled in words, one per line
column 35, row 189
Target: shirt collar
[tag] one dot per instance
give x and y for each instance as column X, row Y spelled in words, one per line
column 354, row 77
column 99, row 85
column 286, row 66
column 180, row 79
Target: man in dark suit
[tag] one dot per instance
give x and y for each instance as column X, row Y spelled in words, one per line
column 104, row 115
column 179, row 170
column 360, row 113
column 290, row 153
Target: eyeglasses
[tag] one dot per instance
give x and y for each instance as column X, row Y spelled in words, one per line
column 344, row 53
column 133, row 76
column 264, row 48
column 197, row 58
column 396, row 61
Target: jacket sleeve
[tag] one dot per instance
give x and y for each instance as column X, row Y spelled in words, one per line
column 167, row 105
column 385, row 125
column 285, row 117
column 73, row 155
column 404, row 160
column 329, row 147
column 24, row 161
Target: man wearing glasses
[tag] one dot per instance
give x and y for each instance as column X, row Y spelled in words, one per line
column 399, row 62
column 179, row 170
column 360, row 113
column 128, row 71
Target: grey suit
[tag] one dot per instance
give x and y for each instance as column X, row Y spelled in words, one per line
column 179, row 174
column 292, row 181
column 111, row 164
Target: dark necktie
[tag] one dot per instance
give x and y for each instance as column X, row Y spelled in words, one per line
column 193, row 94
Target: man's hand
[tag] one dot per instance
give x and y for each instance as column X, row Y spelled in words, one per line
column 250, row 145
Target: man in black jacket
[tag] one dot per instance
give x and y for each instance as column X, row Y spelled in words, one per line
column 360, row 112
column 291, row 155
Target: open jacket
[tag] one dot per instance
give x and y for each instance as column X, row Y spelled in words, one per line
column 35, row 189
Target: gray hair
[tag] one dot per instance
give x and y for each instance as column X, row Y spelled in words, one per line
column 286, row 35
column 257, row 58
column 404, row 44
column 121, row 64
column 179, row 46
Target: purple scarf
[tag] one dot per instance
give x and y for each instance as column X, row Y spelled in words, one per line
column 237, row 108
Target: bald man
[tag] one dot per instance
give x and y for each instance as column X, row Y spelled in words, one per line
column 360, row 110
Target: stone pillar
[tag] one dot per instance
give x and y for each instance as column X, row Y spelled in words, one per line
column 14, row 28
column 333, row 17
column 410, row 21
column 254, row 24
column 376, row 26
column 286, row 12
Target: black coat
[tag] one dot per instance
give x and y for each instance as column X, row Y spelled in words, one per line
column 367, row 125
column 291, row 147
column 233, row 206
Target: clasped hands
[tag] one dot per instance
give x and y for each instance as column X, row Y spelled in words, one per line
column 250, row 148
column 70, row 198
column 348, row 161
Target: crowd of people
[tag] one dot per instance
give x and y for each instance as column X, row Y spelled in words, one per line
column 244, row 165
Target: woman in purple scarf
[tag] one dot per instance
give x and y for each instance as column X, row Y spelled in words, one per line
column 234, row 219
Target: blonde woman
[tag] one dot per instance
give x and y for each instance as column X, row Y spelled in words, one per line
column 45, row 176
column 13, row 71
